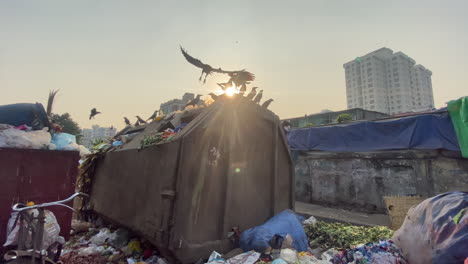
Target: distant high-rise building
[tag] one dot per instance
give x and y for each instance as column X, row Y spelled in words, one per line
column 97, row 132
column 388, row 82
column 176, row 104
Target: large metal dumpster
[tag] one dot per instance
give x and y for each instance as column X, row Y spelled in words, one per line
column 229, row 167
column 39, row 176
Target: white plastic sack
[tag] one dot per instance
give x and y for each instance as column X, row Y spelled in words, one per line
column 75, row 147
column 310, row 221
column 289, row 255
column 14, row 138
column 12, row 230
column 91, row 250
column 51, row 230
column 101, row 237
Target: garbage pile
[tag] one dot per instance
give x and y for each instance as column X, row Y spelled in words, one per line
column 25, row 137
column 283, row 240
column 103, row 245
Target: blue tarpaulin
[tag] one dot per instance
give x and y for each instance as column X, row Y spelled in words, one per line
column 426, row 131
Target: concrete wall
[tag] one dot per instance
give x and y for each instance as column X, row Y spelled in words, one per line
column 360, row 180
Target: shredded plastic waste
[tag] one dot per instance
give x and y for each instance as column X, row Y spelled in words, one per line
column 383, row 252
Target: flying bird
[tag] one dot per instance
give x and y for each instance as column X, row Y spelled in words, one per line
column 252, row 93
column 127, row 122
column 267, row 103
column 194, row 102
column 239, row 78
column 258, row 97
column 140, row 120
column 206, row 69
column 153, row 116
column 214, row 96
column 93, row 113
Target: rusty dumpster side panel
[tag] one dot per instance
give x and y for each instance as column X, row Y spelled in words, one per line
column 230, row 167
column 39, row 176
column 133, row 188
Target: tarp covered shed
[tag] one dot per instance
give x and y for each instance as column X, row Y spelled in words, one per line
column 424, row 131
column 229, row 167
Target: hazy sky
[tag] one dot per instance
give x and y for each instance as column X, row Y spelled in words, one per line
column 123, row 56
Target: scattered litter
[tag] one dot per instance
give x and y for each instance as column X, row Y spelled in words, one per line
column 245, row 258
column 103, row 235
column 383, row 252
column 310, row 221
column 289, row 255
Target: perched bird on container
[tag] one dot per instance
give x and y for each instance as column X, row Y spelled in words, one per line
column 258, row 98
column 242, row 90
column 137, row 123
column 93, row 113
column 140, row 120
column 127, row 122
column 252, row 93
column 194, row 102
column 153, row 116
column 214, row 96
column 267, row 103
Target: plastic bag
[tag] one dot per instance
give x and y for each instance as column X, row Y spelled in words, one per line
column 51, row 230
column 215, row 258
column 12, row 230
column 91, row 250
column 14, row 138
column 61, row 140
column 101, row 237
column 245, row 258
column 282, row 224
column 435, row 231
column 310, row 221
column 289, row 255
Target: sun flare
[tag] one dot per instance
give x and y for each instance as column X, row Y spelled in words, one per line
column 230, row 91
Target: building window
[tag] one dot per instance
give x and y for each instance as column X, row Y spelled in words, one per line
column 371, row 101
column 397, row 85
column 394, row 58
column 370, row 85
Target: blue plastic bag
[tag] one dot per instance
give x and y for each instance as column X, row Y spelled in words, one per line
column 62, row 140
column 286, row 222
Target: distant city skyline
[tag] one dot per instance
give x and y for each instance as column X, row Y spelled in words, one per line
column 123, row 57
column 388, row 82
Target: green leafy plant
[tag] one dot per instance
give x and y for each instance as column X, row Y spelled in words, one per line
column 343, row 236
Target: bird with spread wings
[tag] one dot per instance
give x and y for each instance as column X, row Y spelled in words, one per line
column 239, row 78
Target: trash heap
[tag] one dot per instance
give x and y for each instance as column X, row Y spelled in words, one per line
column 25, row 137
column 288, row 239
column 104, row 245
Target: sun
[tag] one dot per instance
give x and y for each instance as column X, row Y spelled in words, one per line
column 230, row 91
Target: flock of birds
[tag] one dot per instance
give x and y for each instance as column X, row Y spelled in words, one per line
column 239, row 79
